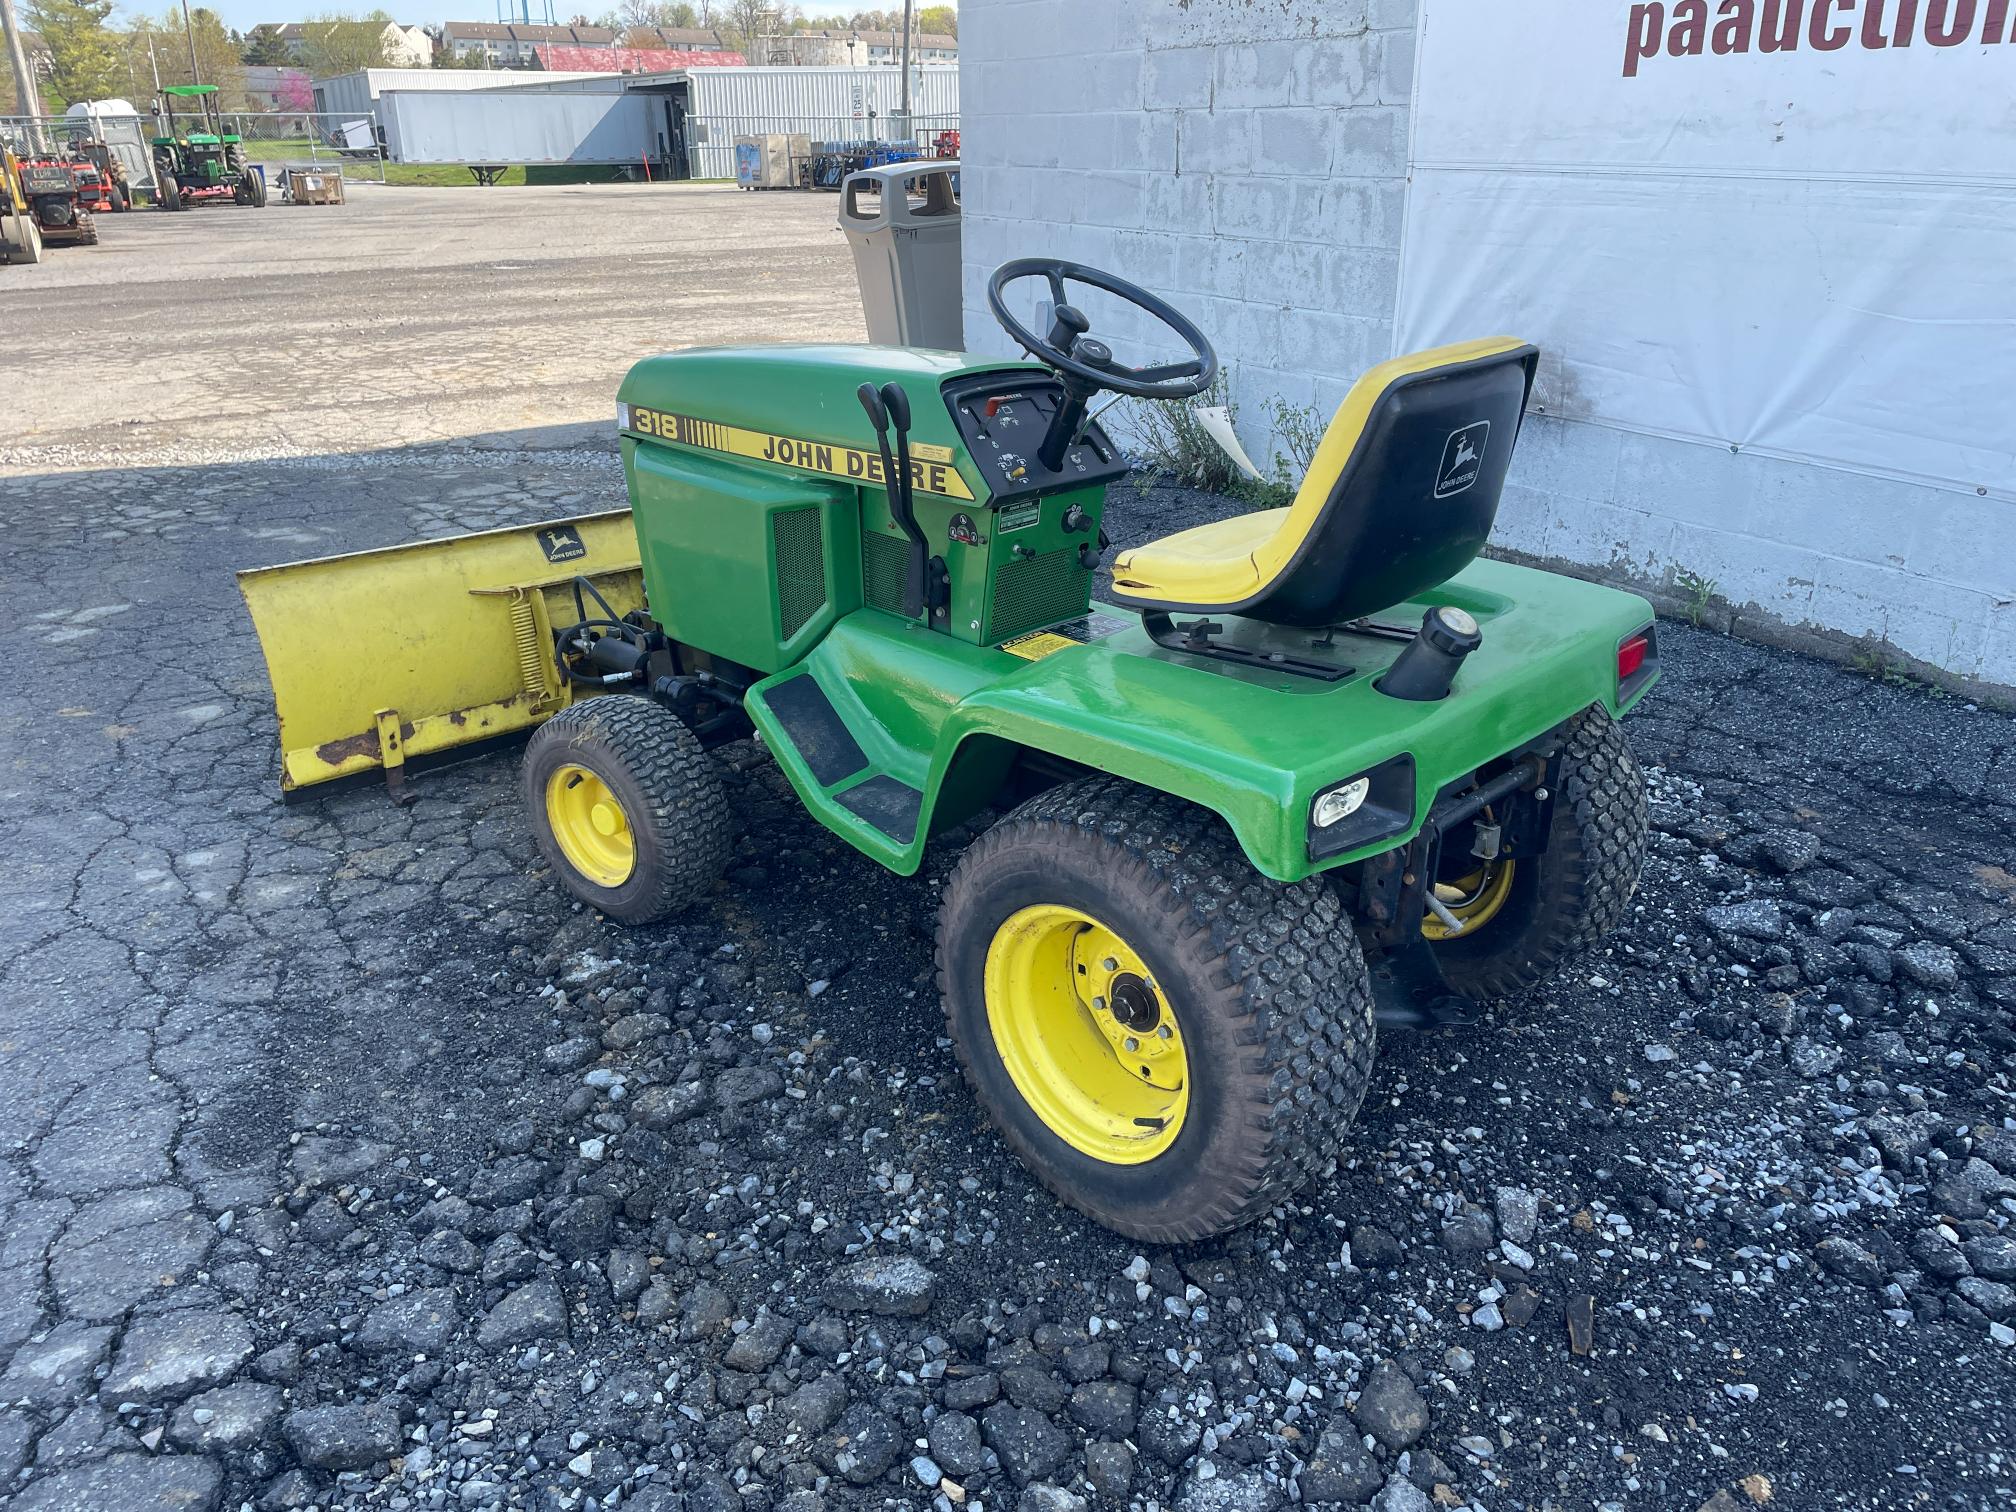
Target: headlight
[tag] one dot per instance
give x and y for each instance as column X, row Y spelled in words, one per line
column 1360, row 810
column 1339, row 803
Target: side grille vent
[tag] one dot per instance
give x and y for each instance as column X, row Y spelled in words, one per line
column 885, row 561
column 1038, row 591
column 801, row 568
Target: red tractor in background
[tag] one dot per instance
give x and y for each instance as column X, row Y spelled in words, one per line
column 56, row 201
column 101, row 177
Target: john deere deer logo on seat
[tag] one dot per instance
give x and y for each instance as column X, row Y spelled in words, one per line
column 1461, row 454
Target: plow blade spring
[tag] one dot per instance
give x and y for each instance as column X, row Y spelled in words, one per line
column 378, row 658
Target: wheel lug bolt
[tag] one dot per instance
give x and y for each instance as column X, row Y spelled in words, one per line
column 1163, row 1032
column 1132, row 1043
column 1109, row 964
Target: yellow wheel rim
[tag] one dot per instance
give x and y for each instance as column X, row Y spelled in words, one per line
column 1474, row 899
column 1087, row 1035
column 590, row 826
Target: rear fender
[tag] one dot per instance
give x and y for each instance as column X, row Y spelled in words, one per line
column 985, row 745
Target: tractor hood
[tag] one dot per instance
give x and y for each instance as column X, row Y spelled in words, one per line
column 764, row 403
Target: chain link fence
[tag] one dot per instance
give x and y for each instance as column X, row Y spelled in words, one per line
column 277, row 140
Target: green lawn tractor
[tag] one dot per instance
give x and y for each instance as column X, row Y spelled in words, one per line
column 205, row 165
column 1318, row 769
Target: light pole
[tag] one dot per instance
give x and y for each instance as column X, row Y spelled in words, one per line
column 24, row 76
column 907, row 5
column 189, row 30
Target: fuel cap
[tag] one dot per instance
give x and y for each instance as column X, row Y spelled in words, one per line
column 1450, row 629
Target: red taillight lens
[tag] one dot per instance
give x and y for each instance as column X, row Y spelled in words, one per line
column 1631, row 657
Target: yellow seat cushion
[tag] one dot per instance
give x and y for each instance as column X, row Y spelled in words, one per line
column 1233, row 561
column 1215, row 561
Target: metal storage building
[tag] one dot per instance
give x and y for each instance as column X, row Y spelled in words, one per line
column 357, row 93
column 827, row 104
column 684, row 121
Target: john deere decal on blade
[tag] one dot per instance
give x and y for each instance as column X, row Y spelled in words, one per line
column 383, row 658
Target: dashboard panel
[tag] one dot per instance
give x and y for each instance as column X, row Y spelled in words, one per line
column 1002, row 418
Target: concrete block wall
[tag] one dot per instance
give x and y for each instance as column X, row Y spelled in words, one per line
column 1248, row 160
column 1816, row 558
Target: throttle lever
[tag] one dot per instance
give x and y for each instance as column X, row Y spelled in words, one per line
column 902, row 504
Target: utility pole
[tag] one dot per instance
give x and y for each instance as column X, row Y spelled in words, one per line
column 905, row 96
column 189, row 31
column 24, row 76
column 215, row 123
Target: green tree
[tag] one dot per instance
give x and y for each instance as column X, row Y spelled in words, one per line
column 264, row 49
column 84, row 51
column 634, row 15
column 939, row 18
column 218, row 59
column 339, row 44
column 746, row 22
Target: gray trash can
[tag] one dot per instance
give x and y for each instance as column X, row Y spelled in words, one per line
column 902, row 221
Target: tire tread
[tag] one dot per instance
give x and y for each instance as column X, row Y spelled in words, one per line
column 1286, row 965
column 688, row 816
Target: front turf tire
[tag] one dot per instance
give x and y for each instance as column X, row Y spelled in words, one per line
column 1265, row 980
column 666, row 787
column 1579, row 889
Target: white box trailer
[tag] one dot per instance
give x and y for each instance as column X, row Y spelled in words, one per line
column 516, row 126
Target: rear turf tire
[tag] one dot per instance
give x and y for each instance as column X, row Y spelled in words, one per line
column 1579, row 889
column 668, row 791
column 1264, row 979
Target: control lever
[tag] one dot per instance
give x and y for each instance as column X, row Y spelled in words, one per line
column 1070, row 417
column 1089, row 556
column 1067, row 324
column 887, row 408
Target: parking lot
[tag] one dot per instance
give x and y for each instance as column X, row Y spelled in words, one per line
column 349, row 1164
column 404, row 316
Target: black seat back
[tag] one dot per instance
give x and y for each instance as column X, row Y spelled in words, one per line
column 1416, row 497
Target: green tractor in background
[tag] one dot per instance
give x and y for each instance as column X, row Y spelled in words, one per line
column 208, row 164
column 1313, row 771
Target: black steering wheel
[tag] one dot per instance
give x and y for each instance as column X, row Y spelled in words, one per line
column 1088, row 361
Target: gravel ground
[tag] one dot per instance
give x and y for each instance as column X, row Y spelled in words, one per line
column 349, row 1165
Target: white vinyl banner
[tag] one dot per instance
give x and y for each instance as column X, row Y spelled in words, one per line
column 1784, row 226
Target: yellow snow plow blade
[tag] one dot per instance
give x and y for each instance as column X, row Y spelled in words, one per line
column 379, row 657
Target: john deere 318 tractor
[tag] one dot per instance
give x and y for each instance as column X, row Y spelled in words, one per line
column 1319, row 768
column 207, row 164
